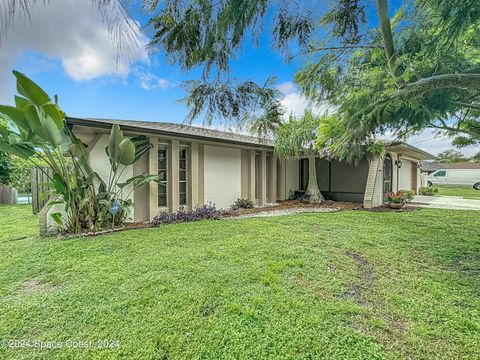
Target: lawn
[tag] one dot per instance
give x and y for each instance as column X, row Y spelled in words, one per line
column 465, row 192
column 345, row 285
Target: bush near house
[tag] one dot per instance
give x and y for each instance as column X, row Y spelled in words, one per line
column 204, row 212
column 243, row 204
column 428, row 190
column 400, row 197
column 38, row 131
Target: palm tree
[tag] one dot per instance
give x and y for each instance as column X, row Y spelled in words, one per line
column 296, row 139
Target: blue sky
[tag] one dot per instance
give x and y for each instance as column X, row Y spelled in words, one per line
column 68, row 51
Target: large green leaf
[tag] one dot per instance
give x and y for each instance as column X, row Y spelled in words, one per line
column 16, row 116
column 116, row 137
column 23, row 151
column 52, row 111
column 34, row 118
column 21, row 102
column 142, row 146
column 127, row 152
column 53, row 134
column 139, row 180
column 60, row 186
column 30, row 90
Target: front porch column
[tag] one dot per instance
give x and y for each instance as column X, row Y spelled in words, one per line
column 251, row 175
column 173, row 176
column 262, row 179
column 281, row 174
column 153, row 186
column 193, row 194
column 272, row 179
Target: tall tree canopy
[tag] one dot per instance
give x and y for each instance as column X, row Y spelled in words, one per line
column 419, row 69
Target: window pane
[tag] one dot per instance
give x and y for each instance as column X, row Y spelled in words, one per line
column 183, row 164
column 162, row 164
column 162, row 190
column 183, row 187
column 183, row 199
column 162, row 200
column 183, row 175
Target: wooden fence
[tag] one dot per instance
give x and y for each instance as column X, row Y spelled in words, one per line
column 8, row 195
column 39, row 176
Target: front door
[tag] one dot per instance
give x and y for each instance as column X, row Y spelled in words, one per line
column 387, row 174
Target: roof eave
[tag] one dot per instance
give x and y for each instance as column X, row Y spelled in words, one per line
column 105, row 125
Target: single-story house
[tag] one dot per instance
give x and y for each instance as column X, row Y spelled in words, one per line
column 201, row 165
column 429, row 167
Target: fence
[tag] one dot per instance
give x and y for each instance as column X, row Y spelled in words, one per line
column 39, row 176
column 8, row 195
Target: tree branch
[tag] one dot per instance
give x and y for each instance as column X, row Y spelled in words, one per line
column 334, row 48
column 388, row 44
column 420, row 87
column 467, row 105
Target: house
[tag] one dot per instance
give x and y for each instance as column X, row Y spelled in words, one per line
column 429, row 167
column 202, row 165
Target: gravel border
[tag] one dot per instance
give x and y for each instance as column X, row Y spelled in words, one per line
column 282, row 212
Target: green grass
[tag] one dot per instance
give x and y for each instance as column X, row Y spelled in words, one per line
column 346, row 285
column 465, row 192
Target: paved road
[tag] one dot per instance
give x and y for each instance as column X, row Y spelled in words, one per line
column 446, row 202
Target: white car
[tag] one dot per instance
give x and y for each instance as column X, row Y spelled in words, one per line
column 459, row 177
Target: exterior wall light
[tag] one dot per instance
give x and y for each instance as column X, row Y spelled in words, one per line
column 398, row 163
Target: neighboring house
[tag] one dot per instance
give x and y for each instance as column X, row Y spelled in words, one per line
column 201, row 165
column 429, row 167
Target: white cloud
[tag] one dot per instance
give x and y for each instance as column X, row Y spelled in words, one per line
column 294, row 102
column 434, row 143
column 150, row 81
column 287, row 87
column 73, row 32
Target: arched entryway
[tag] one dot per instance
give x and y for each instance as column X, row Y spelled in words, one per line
column 387, row 174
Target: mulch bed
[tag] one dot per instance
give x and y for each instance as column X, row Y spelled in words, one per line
column 292, row 204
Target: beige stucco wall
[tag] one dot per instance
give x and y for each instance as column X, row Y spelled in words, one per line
column 222, row 175
column 292, row 176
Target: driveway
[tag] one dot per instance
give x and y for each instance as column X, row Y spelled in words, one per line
column 446, row 202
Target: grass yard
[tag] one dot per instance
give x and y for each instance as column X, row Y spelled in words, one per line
column 345, row 285
column 465, row 192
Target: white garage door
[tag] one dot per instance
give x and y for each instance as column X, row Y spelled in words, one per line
column 405, row 176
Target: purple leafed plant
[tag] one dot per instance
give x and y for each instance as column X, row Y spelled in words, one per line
column 204, row 212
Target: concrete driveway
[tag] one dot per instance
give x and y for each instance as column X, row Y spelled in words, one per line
column 446, row 202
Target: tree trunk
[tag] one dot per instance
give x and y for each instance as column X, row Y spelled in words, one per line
column 312, row 194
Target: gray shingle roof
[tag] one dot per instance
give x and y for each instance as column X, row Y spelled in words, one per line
column 432, row 166
column 172, row 129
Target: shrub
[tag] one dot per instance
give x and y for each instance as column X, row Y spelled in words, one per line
column 242, row 204
column 428, row 190
column 398, row 197
column 409, row 194
column 37, row 130
column 204, row 212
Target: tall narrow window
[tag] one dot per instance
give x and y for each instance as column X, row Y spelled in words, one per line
column 162, row 177
column 183, row 176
